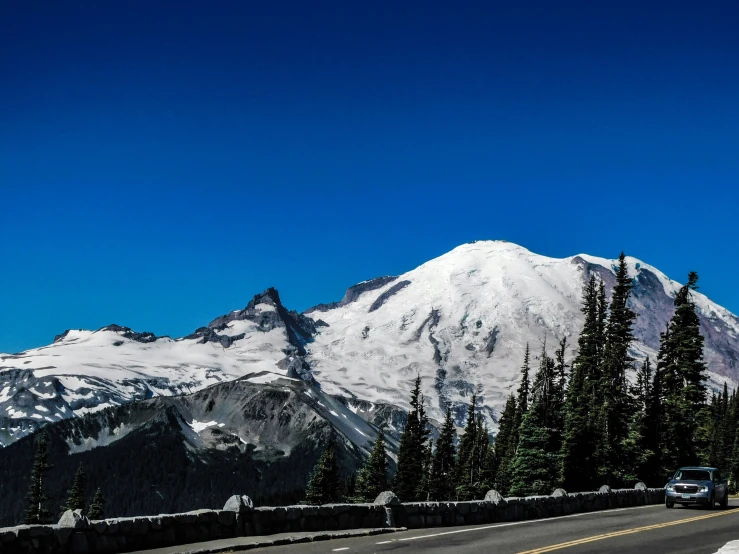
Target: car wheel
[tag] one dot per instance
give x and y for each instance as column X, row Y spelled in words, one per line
column 669, row 504
column 711, row 503
column 725, row 501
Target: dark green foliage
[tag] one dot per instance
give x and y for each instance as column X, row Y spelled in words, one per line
column 534, row 467
column 97, row 506
column 523, row 388
column 682, row 375
column 471, row 457
column 505, row 445
column 169, row 476
column 639, row 446
column 412, row 453
column 372, row 478
column 350, row 486
column 614, row 412
column 441, row 482
column 37, row 512
column 576, row 468
column 76, row 495
column 428, row 460
column 324, row 486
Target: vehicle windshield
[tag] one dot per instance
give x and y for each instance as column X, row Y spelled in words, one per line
column 693, row 475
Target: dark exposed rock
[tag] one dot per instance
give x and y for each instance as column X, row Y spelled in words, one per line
column 57, row 338
column 353, row 292
column 387, row 417
column 271, row 437
column 387, row 294
column 297, row 368
column 206, row 334
column 299, row 328
column 491, row 340
column 128, row 333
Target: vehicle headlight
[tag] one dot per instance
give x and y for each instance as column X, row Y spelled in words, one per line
column 670, row 488
column 703, row 489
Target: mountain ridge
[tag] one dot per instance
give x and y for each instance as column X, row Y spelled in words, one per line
column 460, row 321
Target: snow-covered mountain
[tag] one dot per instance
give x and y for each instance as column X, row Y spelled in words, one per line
column 460, row 321
column 192, row 451
column 85, row 371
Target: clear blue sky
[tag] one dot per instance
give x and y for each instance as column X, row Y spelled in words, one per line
column 160, row 163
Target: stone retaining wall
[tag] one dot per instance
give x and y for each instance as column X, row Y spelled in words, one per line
column 437, row 514
column 77, row 535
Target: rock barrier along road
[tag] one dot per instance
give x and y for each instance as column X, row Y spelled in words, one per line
column 653, row 529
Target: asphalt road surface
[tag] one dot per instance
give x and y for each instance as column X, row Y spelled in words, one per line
column 643, row 530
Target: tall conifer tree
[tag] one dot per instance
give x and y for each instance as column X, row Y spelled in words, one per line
column 76, row 496
column 505, row 445
column 523, row 388
column 372, row 478
column 576, row 470
column 97, row 507
column 535, row 464
column 441, row 485
column 682, row 375
column 37, row 512
column 616, row 409
column 412, row 451
column 324, row 486
column 472, row 455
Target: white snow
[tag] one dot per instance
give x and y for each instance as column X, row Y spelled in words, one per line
column 477, row 289
column 198, row 426
column 5, row 394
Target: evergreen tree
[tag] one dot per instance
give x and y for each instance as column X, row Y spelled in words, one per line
column 535, row 464
column 350, row 487
column 639, row 446
column 76, row 495
column 489, row 470
column 441, row 485
column 37, row 512
column 558, row 396
column 505, row 445
column 523, row 389
column 324, row 484
column 428, row 460
column 97, row 507
column 412, row 451
column 615, row 411
column 576, row 469
column 682, row 376
column 372, row 478
column 471, row 455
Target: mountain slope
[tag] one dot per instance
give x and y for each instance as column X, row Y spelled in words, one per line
column 461, row 322
column 173, row 454
column 84, row 371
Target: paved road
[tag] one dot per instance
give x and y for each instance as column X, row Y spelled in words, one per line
column 646, row 529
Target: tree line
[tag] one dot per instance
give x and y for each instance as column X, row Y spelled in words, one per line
column 38, row 511
column 577, row 425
